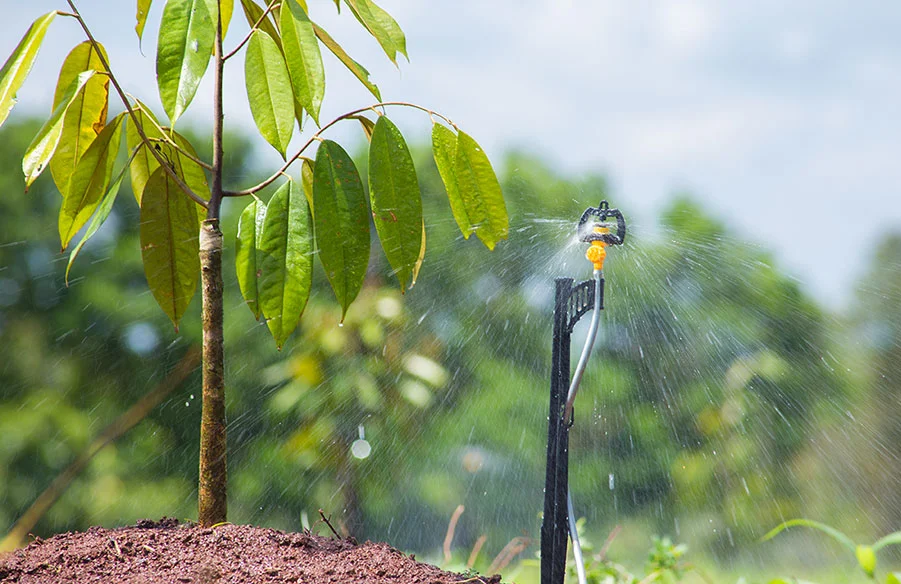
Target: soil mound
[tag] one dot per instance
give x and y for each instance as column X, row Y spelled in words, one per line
column 167, row 552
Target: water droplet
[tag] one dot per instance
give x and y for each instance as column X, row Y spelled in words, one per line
column 195, row 46
column 610, row 481
column 341, row 324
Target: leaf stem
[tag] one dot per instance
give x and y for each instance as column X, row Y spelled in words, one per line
column 166, row 139
column 131, row 113
column 273, row 4
column 255, row 189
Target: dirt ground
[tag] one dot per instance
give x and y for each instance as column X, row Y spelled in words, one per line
column 168, row 552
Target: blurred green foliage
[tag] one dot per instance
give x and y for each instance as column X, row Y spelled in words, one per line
column 713, row 377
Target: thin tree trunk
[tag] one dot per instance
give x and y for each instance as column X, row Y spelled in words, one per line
column 212, row 492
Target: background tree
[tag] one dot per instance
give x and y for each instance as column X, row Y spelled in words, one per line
column 177, row 191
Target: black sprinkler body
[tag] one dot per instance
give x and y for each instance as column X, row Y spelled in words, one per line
column 571, row 303
column 588, row 233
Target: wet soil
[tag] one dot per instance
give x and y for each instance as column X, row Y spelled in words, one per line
column 168, row 552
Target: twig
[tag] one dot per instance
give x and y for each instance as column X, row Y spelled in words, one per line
column 314, row 137
column 116, row 546
column 254, row 28
column 329, row 523
column 475, row 550
column 134, row 118
column 510, row 551
column 449, row 537
column 602, row 554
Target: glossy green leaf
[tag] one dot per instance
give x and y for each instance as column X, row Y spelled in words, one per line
column 86, row 115
column 358, row 70
column 396, row 199
column 420, row 259
column 480, row 191
column 253, row 12
column 169, row 244
column 285, row 261
column 19, row 63
column 187, row 35
column 303, row 58
column 444, row 149
column 341, row 221
column 866, row 558
column 306, row 179
column 90, row 181
column 226, row 9
column 382, row 26
column 42, row 148
column 141, row 17
column 144, row 162
column 269, row 91
column 250, row 231
column 103, row 211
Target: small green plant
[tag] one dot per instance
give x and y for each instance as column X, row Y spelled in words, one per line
column 865, row 554
column 666, row 562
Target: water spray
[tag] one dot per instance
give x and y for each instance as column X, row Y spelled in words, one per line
column 571, row 303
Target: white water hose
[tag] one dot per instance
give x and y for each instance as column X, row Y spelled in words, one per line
column 567, row 414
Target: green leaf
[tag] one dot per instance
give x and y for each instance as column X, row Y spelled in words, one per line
column 141, row 17
column 86, row 115
column 306, row 178
column 250, row 231
column 444, row 149
column 396, row 200
column 303, row 58
column 253, row 12
column 890, row 539
column 145, row 163
column 866, row 558
column 187, row 35
column 285, row 261
column 341, row 222
column 269, row 91
column 420, row 259
column 226, row 9
column 169, row 244
column 481, row 192
column 19, row 63
column 830, row 531
column 41, row 149
column 103, row 211
column 358, row 70
column 893, row 578
column 382, row 26
column 90, row 181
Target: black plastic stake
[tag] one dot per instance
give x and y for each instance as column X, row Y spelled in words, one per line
column 570, row 304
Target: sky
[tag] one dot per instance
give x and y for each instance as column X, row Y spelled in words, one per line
column 781, row 118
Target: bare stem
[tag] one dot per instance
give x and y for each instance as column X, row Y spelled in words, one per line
column 315, row 137
column 134, row 118
column 255, row 27
column 212, row 489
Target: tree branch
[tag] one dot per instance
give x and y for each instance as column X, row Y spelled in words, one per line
column 134, row 118
column 297, row 155
column 255, row 27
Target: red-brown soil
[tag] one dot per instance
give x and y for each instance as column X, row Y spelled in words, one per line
column 166, row 552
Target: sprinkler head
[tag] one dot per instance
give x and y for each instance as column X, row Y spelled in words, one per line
column 594, row 228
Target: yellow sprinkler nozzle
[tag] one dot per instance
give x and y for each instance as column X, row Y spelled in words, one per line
column 597, row 253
